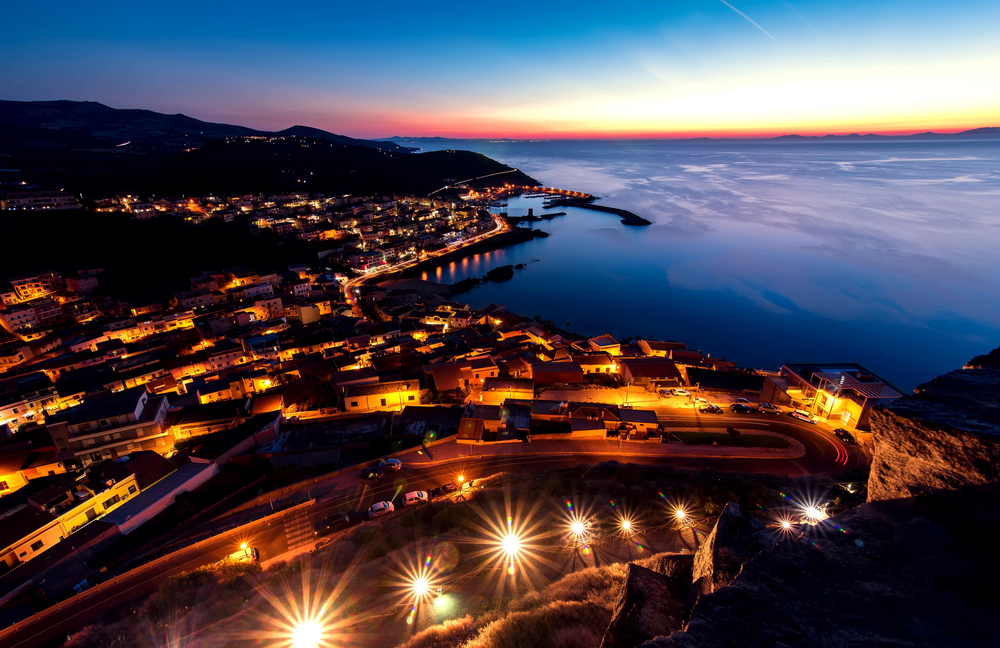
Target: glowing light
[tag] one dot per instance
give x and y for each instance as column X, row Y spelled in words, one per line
column 420, row 586
column 578, row 528
column 308, row 634
column 511, row 545
column 681, row 514
column 814, row 513
column 243, row 546
column 461, row 478
column 785, row 524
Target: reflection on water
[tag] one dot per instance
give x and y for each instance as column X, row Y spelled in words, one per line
column 880, row 253
column 474, row 266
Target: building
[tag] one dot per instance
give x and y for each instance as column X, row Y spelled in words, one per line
column 50, row 509
column 551, row 373
column 381, row 396
column 840, row 394
column 40, row 201
column 33, row 286
column 112, row 426
column 497, row 390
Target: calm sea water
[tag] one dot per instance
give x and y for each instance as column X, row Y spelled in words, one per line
column 882, row 253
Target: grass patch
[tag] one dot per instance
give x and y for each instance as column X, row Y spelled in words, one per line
column 723, row 439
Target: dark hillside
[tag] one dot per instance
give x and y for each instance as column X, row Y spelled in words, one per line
column 252, row 165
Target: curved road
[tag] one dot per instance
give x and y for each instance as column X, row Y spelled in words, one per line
column 825, row 454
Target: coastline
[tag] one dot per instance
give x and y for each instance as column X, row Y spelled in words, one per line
column 513, row 236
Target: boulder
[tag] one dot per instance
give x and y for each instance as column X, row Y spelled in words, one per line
column 650, row 603
column 736, row 538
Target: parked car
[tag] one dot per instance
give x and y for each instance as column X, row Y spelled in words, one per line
column 372, row 473
column 701, row 401
column 711, row 409
column 844, row 435
column 803, row 415
column 740, row 408
column 680, row 392
column 449, row 488
column 768, row 408
column 395, row 464
column 378, row 509
column 332, row 523
column 415, row 497
column 742, row 400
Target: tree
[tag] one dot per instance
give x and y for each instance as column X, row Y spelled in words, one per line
column 733, row 432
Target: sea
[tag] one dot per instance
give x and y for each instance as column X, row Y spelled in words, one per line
column 882, row 252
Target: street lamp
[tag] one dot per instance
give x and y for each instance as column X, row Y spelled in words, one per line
column 307, row 634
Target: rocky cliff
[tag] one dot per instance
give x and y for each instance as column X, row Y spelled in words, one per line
column 945, row 436
column 916, row 566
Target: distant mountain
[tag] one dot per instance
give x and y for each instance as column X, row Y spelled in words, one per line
column 27, row 125
column 398, row 138
column 89, row 148
column 988, row 132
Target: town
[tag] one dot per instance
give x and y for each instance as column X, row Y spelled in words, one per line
column 111, row 410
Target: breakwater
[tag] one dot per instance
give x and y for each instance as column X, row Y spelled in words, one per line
column 628, row 218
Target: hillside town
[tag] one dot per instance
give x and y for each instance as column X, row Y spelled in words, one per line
column 109, row 409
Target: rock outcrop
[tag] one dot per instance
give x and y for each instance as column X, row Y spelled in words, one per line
column 735, row 539
column 915, row 566
column 650, row 604
column 923, row 575
column 944, row 437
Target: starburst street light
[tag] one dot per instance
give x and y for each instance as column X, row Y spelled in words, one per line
column 308, row 634
column 785, row 524
column 420, row 586
column 680, row 514
column 625, row 526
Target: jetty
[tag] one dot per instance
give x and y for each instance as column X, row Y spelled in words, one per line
column 628, row 218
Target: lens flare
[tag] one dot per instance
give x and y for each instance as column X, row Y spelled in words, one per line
column 307, row 634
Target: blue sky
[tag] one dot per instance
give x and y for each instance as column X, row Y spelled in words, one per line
column 558, row 69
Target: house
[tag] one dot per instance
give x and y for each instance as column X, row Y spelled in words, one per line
column 605, row 344
column 551, row 373
column 660, row 349
column 40, row 515
column 840, row 394
column 381, row 396
column 113, row 425
column 656, row 370
column 599, row 363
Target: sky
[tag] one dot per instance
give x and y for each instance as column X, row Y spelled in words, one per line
column 521, row 69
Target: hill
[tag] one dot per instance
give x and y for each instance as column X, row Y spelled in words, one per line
column 32, row 125
column 89, row 148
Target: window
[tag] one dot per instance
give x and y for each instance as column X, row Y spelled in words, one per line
column 132, row 489
column 410, row 397
column 95, row 456
column 354, row 403
column 383, row 402
column 111, row 501
column 35, row 546
column 3, row 486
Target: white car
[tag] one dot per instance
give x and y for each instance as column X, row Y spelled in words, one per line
column 803, row 415
column 416, row 497
column 680, row 392
column 395, row 464
column 378, row 509
column 701, row 401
